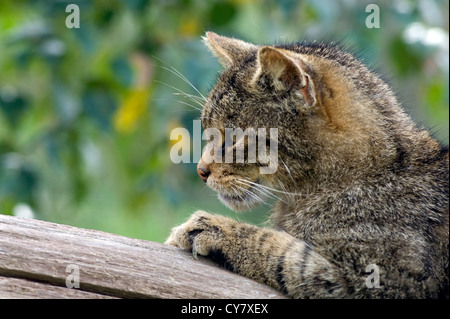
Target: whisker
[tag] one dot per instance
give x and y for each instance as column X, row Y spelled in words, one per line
column 193, row 98
column 261, row 189
column 270, row 188
column 288, row 170
column 242, row 199
column 259, row 185
column 199, row 100
column 251, row 194
column 288, row 194
column 188, row 104
column 176, row 72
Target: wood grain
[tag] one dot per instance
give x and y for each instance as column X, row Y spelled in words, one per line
column 36, row 259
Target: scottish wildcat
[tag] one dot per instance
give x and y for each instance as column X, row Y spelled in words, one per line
column 363, row 191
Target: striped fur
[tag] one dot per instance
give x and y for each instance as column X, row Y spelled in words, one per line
column 359, row 183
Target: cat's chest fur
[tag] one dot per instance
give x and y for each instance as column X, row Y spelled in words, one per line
column 332, row 215
column 305, row 219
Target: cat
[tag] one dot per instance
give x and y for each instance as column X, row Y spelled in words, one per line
column 363, row 190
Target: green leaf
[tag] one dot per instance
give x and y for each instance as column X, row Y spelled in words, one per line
column 405, row 58
column 17, row 179
column 13, row 104
column 123, row 71
column 99, row 106
column 221, row 13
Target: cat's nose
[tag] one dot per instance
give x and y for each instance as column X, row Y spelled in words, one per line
column 203, row 173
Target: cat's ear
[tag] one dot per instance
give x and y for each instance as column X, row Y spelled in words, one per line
column 227, row 50
column 284, row 74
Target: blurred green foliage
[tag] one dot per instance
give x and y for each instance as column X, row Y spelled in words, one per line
column 85, row 113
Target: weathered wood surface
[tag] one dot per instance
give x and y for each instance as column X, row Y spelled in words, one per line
column 35, row 255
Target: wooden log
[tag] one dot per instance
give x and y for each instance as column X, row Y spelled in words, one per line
column 40, row 259
column 18, row 288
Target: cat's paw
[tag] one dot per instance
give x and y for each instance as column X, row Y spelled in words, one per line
column 203, row 233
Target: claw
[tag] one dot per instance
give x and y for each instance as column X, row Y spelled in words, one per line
column 194, row 253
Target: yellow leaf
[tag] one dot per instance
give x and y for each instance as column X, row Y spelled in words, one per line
column 131, row 110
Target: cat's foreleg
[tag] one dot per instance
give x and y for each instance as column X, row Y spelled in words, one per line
column 265, row 255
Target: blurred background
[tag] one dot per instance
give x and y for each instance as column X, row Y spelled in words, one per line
column 86, row 113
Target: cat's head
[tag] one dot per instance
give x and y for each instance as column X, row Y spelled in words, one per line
column 303, row 96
